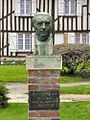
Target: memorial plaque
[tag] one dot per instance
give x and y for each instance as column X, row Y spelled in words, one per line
column 44, row 100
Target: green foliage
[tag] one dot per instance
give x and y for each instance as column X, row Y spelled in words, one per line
column 81, row 89
column 3, row 98
column 71, row 60
column 85, row 70
column 75, row 110
column 68, row 111
column 13, row 73
column 14, row 111
column 73, row 55
column 70, row 79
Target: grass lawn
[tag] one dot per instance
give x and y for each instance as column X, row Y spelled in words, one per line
column 69, row 111
column 14, row 112
column 82, row 89
column 13, row 73
column 75, row 111
column 17, row 73
column 70, row 79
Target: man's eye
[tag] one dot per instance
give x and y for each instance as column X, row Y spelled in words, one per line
column 47, row 23
column 39, row 24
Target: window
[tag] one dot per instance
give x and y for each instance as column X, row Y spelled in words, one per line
column 82, row 38
column 24, row 42
column 70, row 7
column 25, row 7
column 78, row 38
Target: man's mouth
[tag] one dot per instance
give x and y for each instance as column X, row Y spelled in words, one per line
column 44, row 34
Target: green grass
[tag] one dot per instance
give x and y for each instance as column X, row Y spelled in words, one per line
column 13, row 73
column 18, row 73
column 82, row 89
column 70, row 79
column 75, row 111
column 14, row 112
column 68, row 111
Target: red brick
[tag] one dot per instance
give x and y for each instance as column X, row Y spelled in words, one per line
column 49, row 114
column 39, row 73
column 39, row 80
column 44, row 114
column 49, row 87
column 54, row 80
column 33, row 80
column 44, row 81
column 33, row 87
column 33, row 114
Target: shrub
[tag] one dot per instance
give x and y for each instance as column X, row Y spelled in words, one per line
column 74, row 56
column 3, row 98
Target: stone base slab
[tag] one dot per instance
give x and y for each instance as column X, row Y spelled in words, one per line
column 43, row 62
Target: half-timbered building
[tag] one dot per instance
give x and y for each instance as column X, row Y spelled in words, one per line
column 71, row 23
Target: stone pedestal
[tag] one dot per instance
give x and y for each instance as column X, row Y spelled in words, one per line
column 44, row 87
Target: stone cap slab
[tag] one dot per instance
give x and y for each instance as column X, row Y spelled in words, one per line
column 36, row 62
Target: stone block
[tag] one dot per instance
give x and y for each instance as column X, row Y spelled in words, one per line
column 43, row 63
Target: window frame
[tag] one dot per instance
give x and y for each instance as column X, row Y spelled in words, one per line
column 70, row 7
column 25, row 8
column 24, row 44
column 81, row 38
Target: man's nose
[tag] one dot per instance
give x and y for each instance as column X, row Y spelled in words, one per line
column 43, row 25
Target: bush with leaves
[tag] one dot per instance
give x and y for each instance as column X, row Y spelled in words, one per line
column 71, row 60
column 74, row 56
column 3, row 98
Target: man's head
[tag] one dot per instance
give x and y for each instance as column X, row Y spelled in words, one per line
column 43, row 26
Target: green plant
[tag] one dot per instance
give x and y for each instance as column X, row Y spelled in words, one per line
column 3, row 97
column 71, row 60
column 74, row 56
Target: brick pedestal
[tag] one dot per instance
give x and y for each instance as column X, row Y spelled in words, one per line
column 44, row 92
column 41, row 84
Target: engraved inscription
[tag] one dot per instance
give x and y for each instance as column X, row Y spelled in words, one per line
column 44, row 100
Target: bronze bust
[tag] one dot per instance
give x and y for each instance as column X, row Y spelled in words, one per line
column 42, row 23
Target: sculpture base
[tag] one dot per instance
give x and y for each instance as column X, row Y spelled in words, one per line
column 44, row 87
column 43, row 62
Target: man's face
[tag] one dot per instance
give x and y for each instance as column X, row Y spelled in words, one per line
column 43, row 27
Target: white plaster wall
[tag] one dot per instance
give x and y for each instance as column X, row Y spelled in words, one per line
column 89, row 38
column 17, row 7
column 60, row 23
column 71, row 38
column 85, row 18
column 56, row 9
column 69, row 23
column 65, row 24
column 74, row 24
column 84, row 2
column 60, row 7
column 13, row 42
column 25, row 24
column 59, row 39
column 79, row 7
column 33, row 7
column 79, row 23
column 89, row 22
column 89, row 6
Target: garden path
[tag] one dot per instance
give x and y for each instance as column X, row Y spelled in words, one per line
column 18, row 92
